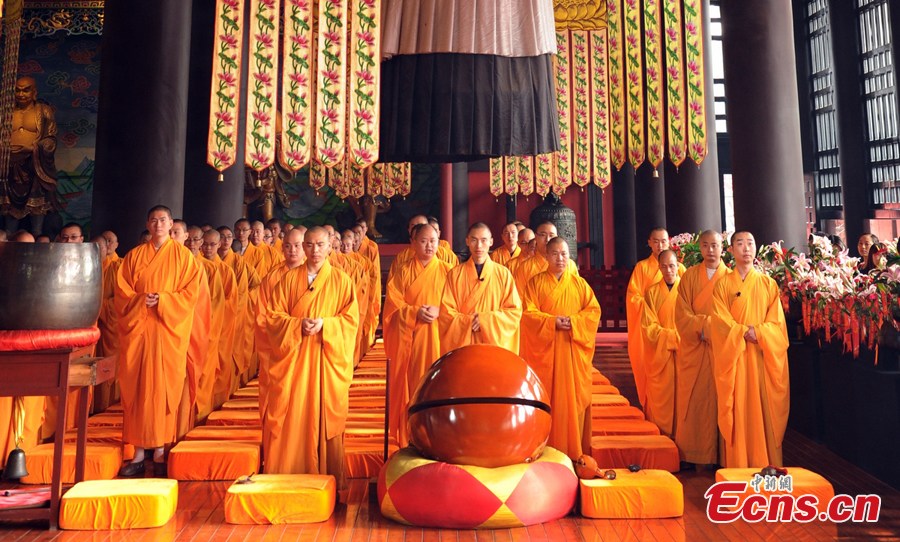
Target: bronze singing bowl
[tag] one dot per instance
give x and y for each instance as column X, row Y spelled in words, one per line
column 480, row 405
column 49, row 285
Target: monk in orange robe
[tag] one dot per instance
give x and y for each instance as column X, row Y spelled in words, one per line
column 559, row 329
column 216, row 380
column 407, row 253
column 361, row 280
column 411, row 334
column 445, row 251
column 292, row 246
column 645, row 274
column 312, row 323
column 527, row 245
column 480, row 304
column 661, row 344
column 369, row 250
column 248, row 281
column 274, row 225
column 107, row 393
column 112, row 243
column 510, row 247
column 200, row 341
column 696, row 433
column 537, row 263
column 749, row 340
column 156, row 289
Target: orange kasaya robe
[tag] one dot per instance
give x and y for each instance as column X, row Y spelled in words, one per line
column 197, row 353
column 502, row 255
column 563, row 359
column 645, row 274
column 107, row 393
column 752, row 380
column 263, row 349
column 413, row 345
column 369, row 250
column 445, row 253
column 219, row 307
column 248, row 281
column 695, row 388
column 225, row 371
column 660, row 353
column 362, row 281
column 308, row 376
column 31, row 436
column 153, row 342
column 492, row 297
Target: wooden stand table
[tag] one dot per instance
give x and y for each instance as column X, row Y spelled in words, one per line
column 52, row 373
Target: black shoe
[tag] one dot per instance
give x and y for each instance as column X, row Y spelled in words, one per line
column 130, row 470
column 160, row 469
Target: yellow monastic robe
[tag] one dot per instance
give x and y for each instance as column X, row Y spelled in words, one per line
column 563, row 358
column 695, row 388
column 105, row 394
column 492, row 296
column 412, row 345
column 225, row 373
column 362, row 282
column 529, row 267
column 263, row 348
column 153, row 342
column 751, row 379
column 278, row 246
column 248, row 281
column 502, row 256
column 219, row 306
column 646, row 273
column 197, row 354
column 445, row 253
column 660, row 354
column 308, row 376
column 369, row 250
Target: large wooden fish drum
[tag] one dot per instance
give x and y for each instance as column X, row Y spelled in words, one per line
column 49, row 285
column 480, row 405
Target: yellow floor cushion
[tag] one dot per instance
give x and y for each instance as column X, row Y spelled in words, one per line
column 599, row 378
column 210, row 460
column 802, row 481
column 418, row 491
column 611, row 426
column 224, row 432
column 648, row 451
column 606, row 389
column 101, row 462
column 608, row 399
column 281, row 498
column 107, row 419
column 645, row 494
column 242, row 403
column 616, row 412
column 250, row 391
column 233, row 417
column 119, row 504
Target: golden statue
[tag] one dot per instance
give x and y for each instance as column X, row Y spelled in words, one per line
column 29, row 188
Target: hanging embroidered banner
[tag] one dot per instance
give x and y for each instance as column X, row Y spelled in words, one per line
column 356, row 179
column 600, row 109
column 376, row 180
column 634, row 71
column 262, row 84
column 399, row 177
column 510, row 175
column 221, row 146
column 654, row 81
column 297, row 85
column 581, row 143
column 316, row 174
column 525, row 174
column 365, row 75
column 696, row 100
column 564, row 83
column 331, row 82
column 616, row 76
column 337, row 179
column 543, row 175
column 495, row 178
column 675, row 81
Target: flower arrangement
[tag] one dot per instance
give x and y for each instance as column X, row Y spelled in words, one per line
column 836, row 301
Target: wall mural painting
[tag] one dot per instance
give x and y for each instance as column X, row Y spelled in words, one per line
column 60, row 50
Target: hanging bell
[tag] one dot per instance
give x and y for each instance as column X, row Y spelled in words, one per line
column 15, row 465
